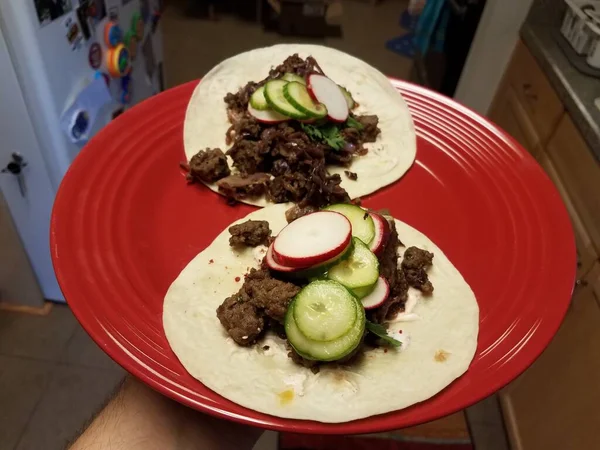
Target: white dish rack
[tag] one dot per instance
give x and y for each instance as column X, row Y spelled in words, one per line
column 581, row 25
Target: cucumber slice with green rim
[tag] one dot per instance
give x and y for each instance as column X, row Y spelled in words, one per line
column 278, row 102
column 349, row 100
column 362, row 292
column 328, row 350
column 324, row 311
column 293, row 77
column 258, row 100
column 297, row 94
column 359, row 271
column 363, row 226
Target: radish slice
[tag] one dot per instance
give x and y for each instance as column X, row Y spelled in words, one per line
column 274, row 265
column 378, row 295
column 312, row 239
column 382, row 233
column 267, row 115
column 325, row 91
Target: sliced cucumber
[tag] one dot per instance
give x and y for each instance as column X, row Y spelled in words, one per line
column 278, row 102
column 293, row 77
column 258, row 100
column 363, row 226
column 328, row 350
column 362, row 292
column 349, row 100
column 359, row 271
column 298, row 96
column 324, row 310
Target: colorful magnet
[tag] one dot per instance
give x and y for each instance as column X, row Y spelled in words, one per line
column 95, row 55
column 117, row 61
column 126, row 87
column 131, row 42
column 137, row 25
column 112, row 34
column 74, row 35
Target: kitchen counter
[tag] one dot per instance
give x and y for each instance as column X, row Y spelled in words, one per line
column 576, row 90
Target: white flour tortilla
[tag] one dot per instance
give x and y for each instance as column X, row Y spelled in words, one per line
column 389, row 157
column 444, row 326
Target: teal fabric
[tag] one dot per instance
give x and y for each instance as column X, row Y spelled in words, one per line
column 431, row 27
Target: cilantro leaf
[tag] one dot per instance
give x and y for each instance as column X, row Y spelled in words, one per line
column 328, row 134
column 380, row 331
column 351, row 122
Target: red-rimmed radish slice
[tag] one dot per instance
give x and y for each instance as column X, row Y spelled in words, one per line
column 382, row 233
column 274, row 265
column 267, row 115
column 312, row 239
column 378, row 295
column 325, row 91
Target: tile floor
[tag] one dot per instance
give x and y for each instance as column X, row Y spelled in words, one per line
column 53, row 377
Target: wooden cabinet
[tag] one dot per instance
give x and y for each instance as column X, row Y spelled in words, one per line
column 555, row 404
column 508, row 112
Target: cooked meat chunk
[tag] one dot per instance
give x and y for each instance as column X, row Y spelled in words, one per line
column 288, row 187
column 295, row 212
column 238, row 103
column 370, row 129
column 295, row 64
column 243, row 126
column 242, row 320
column 351, row 175
column 395, row 302
column 414, row 264
column 250, row 233
column 208, row 165
column 324, row 189
column 388, row 268
column 269, row 294
column 248, row 157
column 388, row 262
column 236, row 187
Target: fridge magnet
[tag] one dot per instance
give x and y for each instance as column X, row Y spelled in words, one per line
column 112, row 34
column 79, row 118
column 118, row 63
column 113, row 13
column 73, row 34
column 96, row 10
column 148, row 52
column 126, row 87
column 131, row 42
column 137, row 25
column 95, row 55
column 50, row 10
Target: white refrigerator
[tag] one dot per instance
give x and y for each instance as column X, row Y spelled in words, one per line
column 67, row 68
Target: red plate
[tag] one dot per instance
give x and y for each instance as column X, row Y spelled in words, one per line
column 125, row 223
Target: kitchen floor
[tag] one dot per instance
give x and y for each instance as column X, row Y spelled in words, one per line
column 53, row 377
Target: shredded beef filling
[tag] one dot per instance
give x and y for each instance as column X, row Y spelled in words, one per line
column 208, row 165
column 295, row 212
column 251, row 233
column 296, row 161
column 414, row 264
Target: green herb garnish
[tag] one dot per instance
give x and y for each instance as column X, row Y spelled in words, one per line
column 380, row 331
column 351, row 122
column 328, row 133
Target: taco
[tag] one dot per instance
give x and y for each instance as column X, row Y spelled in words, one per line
column 339, row 315
column 297, row 123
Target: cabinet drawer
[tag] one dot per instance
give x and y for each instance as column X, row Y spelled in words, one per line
column 586, row 253
column 535, row 92
column 580, row 174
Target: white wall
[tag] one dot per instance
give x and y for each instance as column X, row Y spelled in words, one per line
column 496, row 37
